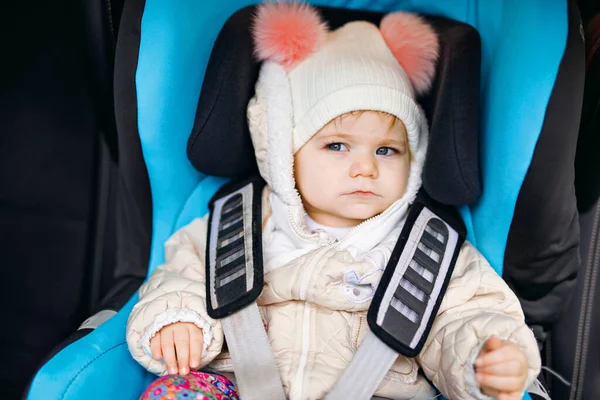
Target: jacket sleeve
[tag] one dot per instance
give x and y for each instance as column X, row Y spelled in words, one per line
column 478, row 304
column 175, row 292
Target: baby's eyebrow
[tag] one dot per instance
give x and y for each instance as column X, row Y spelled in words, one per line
column 392, row 137
column 335, row 133
column 392, row 141
column 340, row 135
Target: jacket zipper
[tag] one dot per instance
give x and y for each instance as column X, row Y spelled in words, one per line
column 296, row 392
column 311, row 236
column 308, row 271
column 300, row 232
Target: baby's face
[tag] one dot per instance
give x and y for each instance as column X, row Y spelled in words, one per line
column 353, row 169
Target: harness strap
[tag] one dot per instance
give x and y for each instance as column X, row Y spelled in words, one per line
column 234, row 272
column 256, row 373
column 361, row 379
column 407, row 299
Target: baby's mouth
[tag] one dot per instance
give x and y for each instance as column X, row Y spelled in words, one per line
column 363, row 194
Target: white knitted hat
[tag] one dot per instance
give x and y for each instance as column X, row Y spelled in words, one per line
column 311, row 76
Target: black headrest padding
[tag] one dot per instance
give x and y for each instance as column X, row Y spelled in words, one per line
column 220, row 142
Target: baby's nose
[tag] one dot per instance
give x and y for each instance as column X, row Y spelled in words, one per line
column 364, row 165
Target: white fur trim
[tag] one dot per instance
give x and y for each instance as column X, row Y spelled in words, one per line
column 279, row 133
column 171, row 316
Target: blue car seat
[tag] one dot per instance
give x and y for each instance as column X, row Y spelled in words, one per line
column 524, row 222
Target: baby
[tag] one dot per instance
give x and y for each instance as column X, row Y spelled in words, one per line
column 341, row 142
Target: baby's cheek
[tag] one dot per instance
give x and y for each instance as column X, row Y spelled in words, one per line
column 309, row 172
column 316, row 180
column 396, row 184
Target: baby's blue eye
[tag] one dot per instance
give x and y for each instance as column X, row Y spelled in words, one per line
column 337, row 147
column 385, row 151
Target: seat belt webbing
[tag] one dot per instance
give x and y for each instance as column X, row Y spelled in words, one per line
column 253, row 361
column 360, row 379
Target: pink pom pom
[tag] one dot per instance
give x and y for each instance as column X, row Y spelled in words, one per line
column 287, row 33
column 414, row 44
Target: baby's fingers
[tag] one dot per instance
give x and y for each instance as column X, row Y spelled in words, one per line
column 507, row 368
column 508, row 352
column 196, row 344
column 182, row 346
column 168, row 350
column 493, row 343
column 502, row 384
column 155, row 347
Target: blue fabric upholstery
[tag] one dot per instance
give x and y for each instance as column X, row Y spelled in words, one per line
column 82, row 370
column 521, row 55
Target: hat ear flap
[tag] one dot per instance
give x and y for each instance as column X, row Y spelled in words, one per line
column 287, row 33
column 415, row 46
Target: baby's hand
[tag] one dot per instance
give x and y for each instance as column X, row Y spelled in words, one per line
column 180, row 344
column 501, row 369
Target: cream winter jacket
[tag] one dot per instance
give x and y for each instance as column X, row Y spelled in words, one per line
column 316, row 295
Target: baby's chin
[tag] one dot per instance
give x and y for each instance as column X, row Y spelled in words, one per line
column 362, row 212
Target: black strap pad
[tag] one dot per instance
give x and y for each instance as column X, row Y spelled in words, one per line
column 234, row 269
column 416, row 277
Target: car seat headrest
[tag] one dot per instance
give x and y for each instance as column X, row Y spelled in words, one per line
column 220, row 142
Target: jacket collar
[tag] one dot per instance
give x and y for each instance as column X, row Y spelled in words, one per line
column 289, row 220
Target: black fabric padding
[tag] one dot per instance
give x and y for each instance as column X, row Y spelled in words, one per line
column 220, row 121
column 587, row 161
column 451, row 172
column 100, row 51
column 573, row 349
column 120, row 292
column 542, row 252
column 134, row 207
